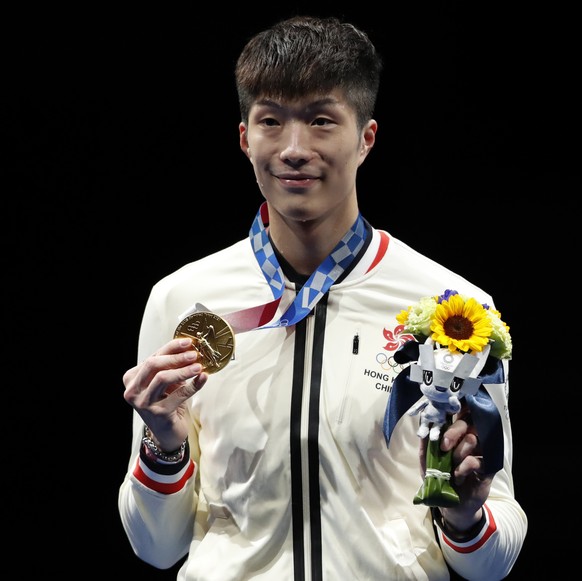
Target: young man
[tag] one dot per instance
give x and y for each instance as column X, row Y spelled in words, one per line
column 262, row 453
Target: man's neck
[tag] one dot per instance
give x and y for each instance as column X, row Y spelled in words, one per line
column 305, row 245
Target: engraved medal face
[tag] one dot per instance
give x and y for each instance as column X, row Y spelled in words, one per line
column 211, row 336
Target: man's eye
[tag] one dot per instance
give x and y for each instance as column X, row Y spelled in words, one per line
column 321, row 121
column 270, row 122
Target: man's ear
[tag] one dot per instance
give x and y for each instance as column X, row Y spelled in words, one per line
column 243, row 141
column 368, row 138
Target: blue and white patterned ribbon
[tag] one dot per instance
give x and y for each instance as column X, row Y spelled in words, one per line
column 319, row 281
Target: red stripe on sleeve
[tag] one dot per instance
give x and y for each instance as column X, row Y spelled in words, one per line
column 163, row 487
column 479, row 540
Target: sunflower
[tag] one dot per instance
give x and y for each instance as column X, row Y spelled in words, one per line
column 461, row 325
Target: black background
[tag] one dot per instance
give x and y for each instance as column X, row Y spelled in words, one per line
column 122, row 163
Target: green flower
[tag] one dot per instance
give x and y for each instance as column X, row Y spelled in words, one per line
column 418, row 318
column 501, row 344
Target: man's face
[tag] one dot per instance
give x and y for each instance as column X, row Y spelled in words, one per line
column 305, row 154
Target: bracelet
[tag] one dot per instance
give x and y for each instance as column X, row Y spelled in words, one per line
column 173, row 456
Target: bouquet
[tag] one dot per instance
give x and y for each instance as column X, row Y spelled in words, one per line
column 459, row 346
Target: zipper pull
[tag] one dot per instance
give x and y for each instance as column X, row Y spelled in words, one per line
column 356, row 344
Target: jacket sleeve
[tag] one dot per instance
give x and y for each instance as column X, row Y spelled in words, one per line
column 491, row 554
column 157, row 502
column 157, row 505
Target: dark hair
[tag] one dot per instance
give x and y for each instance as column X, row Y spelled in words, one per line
column 307, row 55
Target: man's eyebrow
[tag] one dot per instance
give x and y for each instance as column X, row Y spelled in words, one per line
column 267, row 102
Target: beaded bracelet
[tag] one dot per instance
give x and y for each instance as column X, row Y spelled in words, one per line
column 158, row 453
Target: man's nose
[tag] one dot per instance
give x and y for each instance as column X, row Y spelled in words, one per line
column 296, row 144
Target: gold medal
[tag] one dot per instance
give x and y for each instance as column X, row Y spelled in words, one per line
column 211, row 336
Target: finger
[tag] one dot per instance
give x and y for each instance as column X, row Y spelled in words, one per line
column 199, row 382
column 472, row 468
column 454, row 434
column 467, row 445
column 166, row 381
column 151, row 380
column 157, row 360
column 469, row 465
column 171, row 356
column 423, row 446
column 175, row 346
column 189, row 388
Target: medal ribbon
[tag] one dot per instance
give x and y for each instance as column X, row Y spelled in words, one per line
column 318, row 284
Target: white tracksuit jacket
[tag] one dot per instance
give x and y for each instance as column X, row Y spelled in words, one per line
column 289, row 475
